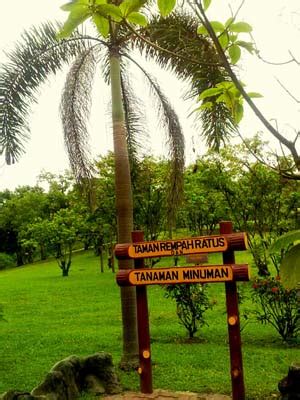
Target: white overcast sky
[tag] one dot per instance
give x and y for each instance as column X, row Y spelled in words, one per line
column 276, row 26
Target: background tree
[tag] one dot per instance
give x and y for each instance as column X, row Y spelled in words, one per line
column 151, row 197
column 39, row 55
column 63, row 232
column 226, row 40
column 258, row 200
column 204, row 206
column 18, row 210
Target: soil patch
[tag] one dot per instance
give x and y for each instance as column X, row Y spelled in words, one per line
column 166, row 395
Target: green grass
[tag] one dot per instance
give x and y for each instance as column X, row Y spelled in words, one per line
column 49, row 318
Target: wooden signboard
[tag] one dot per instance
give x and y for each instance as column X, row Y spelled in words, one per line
column 179, row 275
column 227, row 242
column 196, row 259
column 167, row 248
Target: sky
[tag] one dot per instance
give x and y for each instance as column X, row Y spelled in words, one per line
column 276, row 29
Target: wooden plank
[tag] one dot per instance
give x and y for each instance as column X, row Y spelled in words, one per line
column 193, row 245
column 181, row 275
column 196, row 259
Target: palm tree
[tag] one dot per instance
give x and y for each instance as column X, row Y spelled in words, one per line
column 40, row 54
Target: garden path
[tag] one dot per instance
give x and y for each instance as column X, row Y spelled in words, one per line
column 166, row 395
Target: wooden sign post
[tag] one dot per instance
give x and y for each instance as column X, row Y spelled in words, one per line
column 145, row 368
column 235, row 344
column 227, row 242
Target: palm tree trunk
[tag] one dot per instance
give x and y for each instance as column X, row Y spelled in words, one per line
column 124, row 206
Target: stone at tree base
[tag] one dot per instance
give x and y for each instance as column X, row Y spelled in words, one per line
column 71, row 376
column 54, row 386
column 17, row 395
column 101, row 366
column 93, row 385
column 289, row 386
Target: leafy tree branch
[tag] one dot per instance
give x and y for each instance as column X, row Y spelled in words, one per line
column 290, row 145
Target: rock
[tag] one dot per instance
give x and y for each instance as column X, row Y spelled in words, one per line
column 289, row 386
column 17, row 395
column 93, row 385
column 71, row 376
column 101, row 366
column 54, row 386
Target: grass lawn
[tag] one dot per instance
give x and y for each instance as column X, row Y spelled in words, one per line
column 49, row 318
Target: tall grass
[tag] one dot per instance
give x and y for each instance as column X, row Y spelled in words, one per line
column 49, row 317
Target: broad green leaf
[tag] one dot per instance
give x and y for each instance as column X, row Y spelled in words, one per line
column 224, row 40
column 129, row 6
column 201, row 30
column 238, row 113
column 232, row 37
column 102, row 24
column 206, row 105
column 234, row 53
column 235, row 91
column 209, row 93
column 166, row 6
column 76, row 17
column 225, row 85
column 110, row 10
column 217, row 26
column 284, row 241
column 137, row 18
column 67, row 6
column 229, row 22
column 73, row 4
column 240, row 27
column 206, row 4
column 224, row 99
column 254, row 95
column 246, row 45
column 97, row 2
column 290, row 268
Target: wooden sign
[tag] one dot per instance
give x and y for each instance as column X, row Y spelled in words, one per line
column 193, row 245
column 165, row 248
column 196, row 259
column 179, row 275
column 227, row 242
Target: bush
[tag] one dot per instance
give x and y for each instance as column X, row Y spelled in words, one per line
column 278, row 306
column 6, row 261
column 192, row 302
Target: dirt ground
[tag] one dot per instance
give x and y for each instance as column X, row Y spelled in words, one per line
column 166, row 395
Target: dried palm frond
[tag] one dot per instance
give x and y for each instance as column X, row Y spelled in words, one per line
column 35, row 57
column 75, row 109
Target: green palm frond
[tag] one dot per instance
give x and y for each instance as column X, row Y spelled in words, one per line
column 169, row 121
column 217, row 125
column 178, row 34
column 135, row 127
column 34, row 58
column 75, row 110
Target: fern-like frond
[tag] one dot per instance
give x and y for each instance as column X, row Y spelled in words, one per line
column 75, row 110
column 136, row 131
column 178, row 34
column 168, row 119
column 34, row 58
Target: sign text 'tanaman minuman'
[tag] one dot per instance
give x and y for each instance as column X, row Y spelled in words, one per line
column 209, row 244
column 172, row 276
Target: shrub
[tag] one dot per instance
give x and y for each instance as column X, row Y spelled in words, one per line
column 6, row 261
column 192, row 302
column 278, row 306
